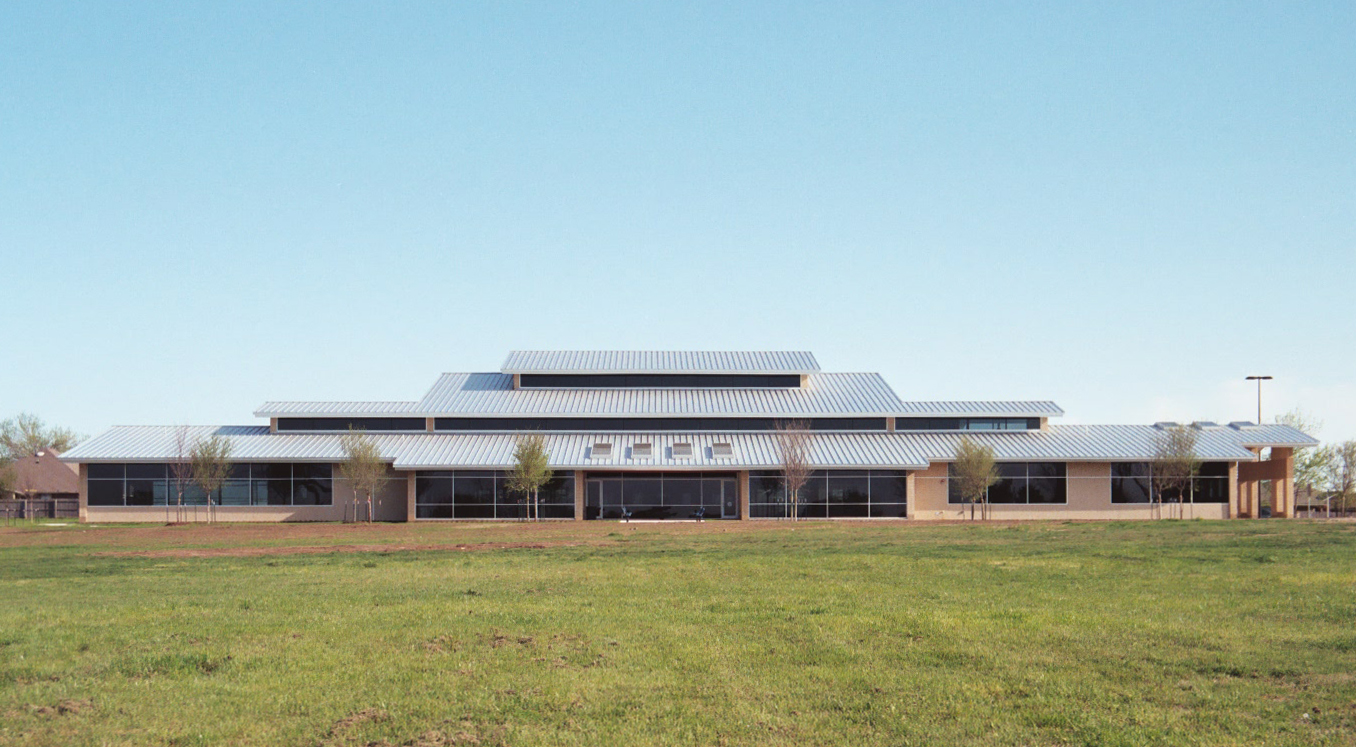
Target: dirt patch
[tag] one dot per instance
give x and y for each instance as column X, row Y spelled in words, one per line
column 364, row 716
column 250, row 552
column 62, row 708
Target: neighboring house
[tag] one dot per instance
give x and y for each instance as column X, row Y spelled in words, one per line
column 43, row 476
column 670, row 435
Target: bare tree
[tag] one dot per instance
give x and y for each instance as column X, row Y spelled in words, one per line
column 793, row 449
column 974, row 472
column 181, row 469
column 211, row 460
column 1175, row 465
column 1341, row 475
column 25, row 435
column 531, row 470
column 362, row 467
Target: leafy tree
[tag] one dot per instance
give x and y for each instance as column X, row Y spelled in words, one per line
column 1175, row 464
column 25, row 435
column 7, row 477
column 1311, row 464
column 211, row 463
column 974, row 473
column 793, row 449
column 531, row 470
column 1340, row 479
column 363, row 467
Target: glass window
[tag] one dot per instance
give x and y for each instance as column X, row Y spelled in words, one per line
column 141, row 492
column 146, row 471
column 1130, row 490
column 311, row 492
column 105, row 492
column 300, row 471
column 432, row 490
column 848, row 494
column 107, row 471
column 235, row 493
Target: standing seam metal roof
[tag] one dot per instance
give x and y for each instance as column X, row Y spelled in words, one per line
column 910, row 450
column 659, row 361
column 489, row 394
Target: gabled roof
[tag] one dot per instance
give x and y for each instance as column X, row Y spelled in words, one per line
column 659, row 361
column 824, row 395
column 44, row 473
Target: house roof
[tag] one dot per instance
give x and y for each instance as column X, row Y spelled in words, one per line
column 660, row 361
column 44, row 473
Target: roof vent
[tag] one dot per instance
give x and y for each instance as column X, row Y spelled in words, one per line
column 682, row 450
column 1202, row 425
column 1163, row 425
column 601, row 450
column 722, row 450
column 642, row 451
column 1241, row 424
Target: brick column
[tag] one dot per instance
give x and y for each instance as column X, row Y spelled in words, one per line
column 409, row 497
column 579, row 495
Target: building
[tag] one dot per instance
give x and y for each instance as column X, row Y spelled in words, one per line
column 673, row 435
column 41, row 486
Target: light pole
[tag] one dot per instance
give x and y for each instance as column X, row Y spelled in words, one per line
column 1259, row 380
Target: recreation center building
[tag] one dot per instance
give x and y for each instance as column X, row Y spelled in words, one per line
column 677, row 435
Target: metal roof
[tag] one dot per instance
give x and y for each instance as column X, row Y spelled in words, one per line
column 910, row 450
column 750, row 451
column 490, row 394
column 322, row 409
column 981, row 409
column 659, row 361
column 1104, row 442
column 444, row 451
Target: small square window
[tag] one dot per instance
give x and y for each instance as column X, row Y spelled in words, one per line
column 722, row 450
column 642, row 451
column 601, row 450
column 682, row 450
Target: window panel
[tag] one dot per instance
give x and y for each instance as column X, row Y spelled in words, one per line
column 886, row 489
column 140, row 492
column 105, row 492
column 1130, row 490
column 235, row 493
column 107, row 471
column 311, row 492
column 146, row 471
column 432, row 490
column 889, row 510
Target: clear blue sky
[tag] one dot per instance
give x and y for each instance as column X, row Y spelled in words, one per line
column 1125, row 209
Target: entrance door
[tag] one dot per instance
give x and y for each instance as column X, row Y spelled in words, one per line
column 729, row 499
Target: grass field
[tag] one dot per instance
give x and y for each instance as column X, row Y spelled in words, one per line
column 1238, row 633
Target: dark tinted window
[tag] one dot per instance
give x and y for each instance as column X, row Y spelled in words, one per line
column 343, row 424
column 648, row 424
column 660, row 381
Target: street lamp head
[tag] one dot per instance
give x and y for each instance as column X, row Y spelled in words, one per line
column 1258, row 378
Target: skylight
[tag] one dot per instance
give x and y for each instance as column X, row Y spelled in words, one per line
column 601, row 450
column 722, row 450
column 682, row 450
column 642, row 451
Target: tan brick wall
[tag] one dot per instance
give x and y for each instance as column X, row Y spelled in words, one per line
column 1089, row 497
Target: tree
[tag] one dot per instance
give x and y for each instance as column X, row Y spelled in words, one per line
column 1310, row 464
column 1175, row 464
column 793, row 449
column 974, row 472
column 1340, row 479
column 181, row 468
column 362, row 467
column 211, row 463
column 531, row 470
column 8, row 478
column 25, row 435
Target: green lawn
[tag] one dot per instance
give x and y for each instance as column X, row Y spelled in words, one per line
column 1238, row 633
